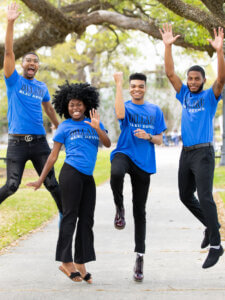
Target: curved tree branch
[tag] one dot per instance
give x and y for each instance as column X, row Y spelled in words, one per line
column 117, row 39
column 42, row 35
column 76, row 17
column 194, row 14
column 216, row 7
column 81, row 7
column 50, row 14
column 147, row 27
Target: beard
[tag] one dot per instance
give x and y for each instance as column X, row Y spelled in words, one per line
column 199, row 89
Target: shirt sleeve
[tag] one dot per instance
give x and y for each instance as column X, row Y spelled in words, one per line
column 59, row 135
column 46, row 96
column 180, row 95
column 161, row 124
column 12, row 80
column 103, row 128
column 213, row 97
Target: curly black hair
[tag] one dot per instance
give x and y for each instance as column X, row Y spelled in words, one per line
column 80, row 91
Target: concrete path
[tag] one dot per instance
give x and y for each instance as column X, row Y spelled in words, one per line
column 173, row 258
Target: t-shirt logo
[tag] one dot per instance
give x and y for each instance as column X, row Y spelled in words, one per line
column 32, row 91
column 84, row 133
column 141, row 121
column 194, row 105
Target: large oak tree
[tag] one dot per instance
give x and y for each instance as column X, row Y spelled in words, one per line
column 54, row 20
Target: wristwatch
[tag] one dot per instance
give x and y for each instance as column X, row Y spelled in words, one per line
column 150, row 137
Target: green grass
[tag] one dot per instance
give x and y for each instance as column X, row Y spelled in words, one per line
column 24, row 212
column 222, row 196
column 219, row 177
column 27, row 210
column 102, row 168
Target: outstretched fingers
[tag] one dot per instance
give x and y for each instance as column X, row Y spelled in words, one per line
column 167, row 34
column 220, row 32
column 94, row 114
column 217, row 43
column 13, row 11
column 95, row 118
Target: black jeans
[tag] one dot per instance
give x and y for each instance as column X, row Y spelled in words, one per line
column 18, row 153
column 196, row 170
column 78, row 201
column 140, row 181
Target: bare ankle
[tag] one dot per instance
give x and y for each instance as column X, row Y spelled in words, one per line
column 81, row 268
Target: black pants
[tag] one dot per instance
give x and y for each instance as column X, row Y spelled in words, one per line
column 18, row 153
column 140, row 180
column 78, row 201
column 196, row 170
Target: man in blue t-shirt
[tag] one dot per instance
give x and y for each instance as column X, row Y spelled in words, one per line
column 196, row 167
column 26, row 96
column 142, row 125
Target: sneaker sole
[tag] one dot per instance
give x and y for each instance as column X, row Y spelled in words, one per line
column 137, row 280
column 119, row 227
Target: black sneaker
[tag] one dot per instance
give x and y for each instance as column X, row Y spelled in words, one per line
column 205, row 241
column 119, row 221
column 213, row 257
column 138, row 268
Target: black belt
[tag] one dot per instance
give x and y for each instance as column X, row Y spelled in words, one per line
column 26, row 138
column 197, row 146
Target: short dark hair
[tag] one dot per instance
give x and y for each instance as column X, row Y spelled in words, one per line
column 197, row 68
column 84, row 92
column 30, row 53
column 138, row 76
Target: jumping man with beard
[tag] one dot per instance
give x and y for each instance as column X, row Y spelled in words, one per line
column 26, row 95
column 196, row 167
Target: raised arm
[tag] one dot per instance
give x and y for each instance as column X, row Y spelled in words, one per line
column 119, row 103
column 168, row 40
column 217, row 44
column 95, row 123
column 9, row 57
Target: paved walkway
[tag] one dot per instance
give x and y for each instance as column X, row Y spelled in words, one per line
column 172, row 262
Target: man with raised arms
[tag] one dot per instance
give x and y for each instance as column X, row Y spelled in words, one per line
column 196, row 167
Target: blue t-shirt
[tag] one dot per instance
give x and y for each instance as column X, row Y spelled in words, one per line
column 24, row 104
column 148, row 117
column 81, row 142
column 198, row 111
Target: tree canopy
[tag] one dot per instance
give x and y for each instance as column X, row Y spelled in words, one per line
column 53, row 20
column 60, row 27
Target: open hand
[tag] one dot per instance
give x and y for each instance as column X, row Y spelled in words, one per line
column 167, row 34
column 217, row 43
column 95, row 119
column 13, row 12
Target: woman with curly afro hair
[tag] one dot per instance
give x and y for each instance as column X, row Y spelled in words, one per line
column 80, row 133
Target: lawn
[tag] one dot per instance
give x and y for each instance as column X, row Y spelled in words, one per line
column 219, row 177
column 27, row 210
column 219, row 196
